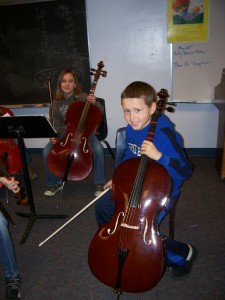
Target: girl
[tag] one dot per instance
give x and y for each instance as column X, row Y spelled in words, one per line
column 68, row 91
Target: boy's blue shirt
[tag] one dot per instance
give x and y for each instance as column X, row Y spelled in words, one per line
column 168, row 141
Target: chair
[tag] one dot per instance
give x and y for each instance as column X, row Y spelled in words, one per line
column 103, row 128
column 120, row 147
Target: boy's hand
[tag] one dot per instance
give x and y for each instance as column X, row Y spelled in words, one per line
column 108, row 184
column 149, row 149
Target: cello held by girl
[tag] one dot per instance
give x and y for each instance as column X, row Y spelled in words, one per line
column 68, row 92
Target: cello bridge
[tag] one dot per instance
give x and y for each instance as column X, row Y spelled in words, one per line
column 74, row 140
column 129, row 226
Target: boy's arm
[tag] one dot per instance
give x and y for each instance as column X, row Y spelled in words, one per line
column 179, row 167
column 173, row 156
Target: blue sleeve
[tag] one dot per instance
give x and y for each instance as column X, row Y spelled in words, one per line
column 173, row 157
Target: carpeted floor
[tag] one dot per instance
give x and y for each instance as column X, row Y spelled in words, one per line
column 59, row 269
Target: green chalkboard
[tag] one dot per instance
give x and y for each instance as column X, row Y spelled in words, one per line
column 37, row 41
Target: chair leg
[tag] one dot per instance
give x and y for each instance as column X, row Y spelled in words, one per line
column 109, row 148
column 172, row 223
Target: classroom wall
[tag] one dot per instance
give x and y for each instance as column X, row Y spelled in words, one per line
column 108, row 42
column 197, row 124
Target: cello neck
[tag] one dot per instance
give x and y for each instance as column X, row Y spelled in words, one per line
column 97, row 73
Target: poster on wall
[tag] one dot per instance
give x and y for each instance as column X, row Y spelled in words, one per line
column 188, row 21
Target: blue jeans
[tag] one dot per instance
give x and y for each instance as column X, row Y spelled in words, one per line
column 176, row 252
column 7, row 255
column 99, row 163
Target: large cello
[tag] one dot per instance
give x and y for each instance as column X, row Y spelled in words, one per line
column 71, row 156
column 9, row 150
column 127, row 253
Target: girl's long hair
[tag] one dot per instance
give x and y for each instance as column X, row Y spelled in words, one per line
column 59, row 94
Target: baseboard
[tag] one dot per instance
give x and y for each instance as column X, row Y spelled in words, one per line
column 189, row 151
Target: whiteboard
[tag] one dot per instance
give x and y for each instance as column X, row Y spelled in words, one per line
column 197, row 67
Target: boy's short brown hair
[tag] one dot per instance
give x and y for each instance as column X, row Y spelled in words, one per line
column 140, row 89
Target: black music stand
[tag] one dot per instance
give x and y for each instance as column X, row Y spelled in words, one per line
column 21, row 127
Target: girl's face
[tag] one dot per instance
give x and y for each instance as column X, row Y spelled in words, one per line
column 137, row 113
column 68, row 85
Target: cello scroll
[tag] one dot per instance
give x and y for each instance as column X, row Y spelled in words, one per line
column 97, row 73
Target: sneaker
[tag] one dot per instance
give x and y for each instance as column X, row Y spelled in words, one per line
column 181, row 271
column 13, row 288
column 99, row 188
column 53, row 190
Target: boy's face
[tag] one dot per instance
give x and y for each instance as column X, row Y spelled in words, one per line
column 137, row 113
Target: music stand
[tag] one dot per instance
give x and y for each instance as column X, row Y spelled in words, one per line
column 21, row 127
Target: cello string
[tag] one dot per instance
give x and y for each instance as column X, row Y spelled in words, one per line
column 130, row 213
column 138, row 183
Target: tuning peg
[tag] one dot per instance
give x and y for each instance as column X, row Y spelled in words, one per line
column 170, row 109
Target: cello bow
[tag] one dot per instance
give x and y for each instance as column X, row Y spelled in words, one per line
column 74, row 217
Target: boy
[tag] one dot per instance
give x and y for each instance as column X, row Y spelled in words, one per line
column 138, row 102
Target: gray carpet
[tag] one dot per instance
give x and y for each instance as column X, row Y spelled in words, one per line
column 59, row 269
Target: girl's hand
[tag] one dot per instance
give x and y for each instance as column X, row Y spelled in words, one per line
column 149, row 149
column 91, row 98
column 53, row 140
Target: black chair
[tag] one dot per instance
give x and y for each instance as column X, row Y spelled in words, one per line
column 120, row 147
column 102, row 131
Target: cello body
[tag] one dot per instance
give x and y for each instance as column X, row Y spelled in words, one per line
column 133, row 232
column 75, row 144
column 9, row 150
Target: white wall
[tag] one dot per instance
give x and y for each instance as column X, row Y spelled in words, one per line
column 118, row 36
column 123, row 34
column 197, row 123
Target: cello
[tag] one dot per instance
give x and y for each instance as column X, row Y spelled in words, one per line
column 71, row 156
column 128, row 253
column 9, row 149
column 10, row 158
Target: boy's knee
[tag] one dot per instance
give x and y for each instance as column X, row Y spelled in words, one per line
column 104, row 208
